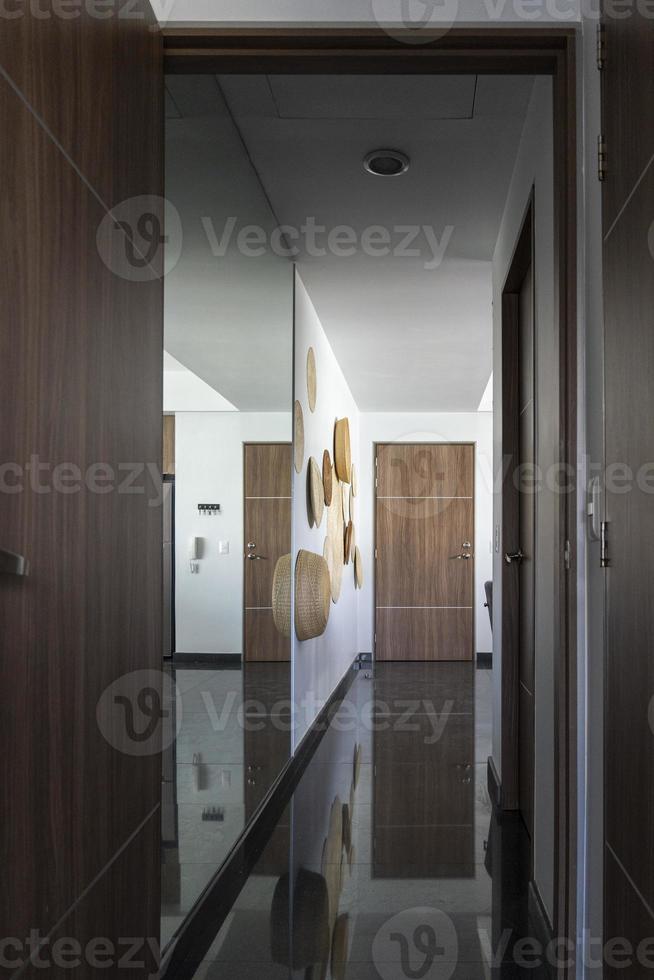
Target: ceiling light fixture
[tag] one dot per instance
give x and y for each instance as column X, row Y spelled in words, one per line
column 386, row 163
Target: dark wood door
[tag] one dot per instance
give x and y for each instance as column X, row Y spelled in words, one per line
column 526, row 669
column 267, row 538
column 424, row 564
column 628, row 213
column 81, row 345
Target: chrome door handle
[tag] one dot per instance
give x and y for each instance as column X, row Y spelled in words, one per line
column 11, row 564
column 464, row 557
column 516, row 557
column 257, row 557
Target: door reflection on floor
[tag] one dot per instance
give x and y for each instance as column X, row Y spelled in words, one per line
column 395, row 865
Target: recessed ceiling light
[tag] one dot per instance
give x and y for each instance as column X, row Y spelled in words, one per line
column 386, row 163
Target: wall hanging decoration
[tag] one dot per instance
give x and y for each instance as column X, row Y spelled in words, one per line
column 298, row 438
column 335, row 533
column 312, row 381
column 316, row 493
column 345, row 493
column 358, row 568
column 281, row 595
column 342, row 450
column 355, row 481
column 327, row 476
column 312, row 594
column 335, row 564
column 349, row 531
column 351, row 503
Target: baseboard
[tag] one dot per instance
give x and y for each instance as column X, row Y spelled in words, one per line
column 224, row 661
column 363, row 661
column 540, row 920
column 182, row 958
column 494, row 784
column 484, row 661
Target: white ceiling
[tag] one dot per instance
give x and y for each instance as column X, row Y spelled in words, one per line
column 408, row 337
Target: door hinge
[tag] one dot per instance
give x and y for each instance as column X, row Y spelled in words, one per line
column 375, row 554
column 567, row 555
column 602, row 155
column 605, row 561
column 601, row 47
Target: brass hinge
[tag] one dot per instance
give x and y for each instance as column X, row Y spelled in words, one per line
column 602, row 154
column 605, row 561
column 601, row 47
column 567, row 556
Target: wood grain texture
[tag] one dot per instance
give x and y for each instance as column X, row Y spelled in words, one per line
column 424, row 517
column 267, row 517
column 441, row 470
column 169, row 445
column 80, row 384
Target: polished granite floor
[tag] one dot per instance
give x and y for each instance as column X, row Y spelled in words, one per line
column 389, row 861
column 232, row 740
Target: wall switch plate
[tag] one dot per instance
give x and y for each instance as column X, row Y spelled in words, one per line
column 223, row 547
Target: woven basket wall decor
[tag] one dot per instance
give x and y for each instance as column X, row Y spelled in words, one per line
column 281, row 595
column 343, row 450
column 312, row 595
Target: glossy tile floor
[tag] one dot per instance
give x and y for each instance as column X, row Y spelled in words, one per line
column 399, row 867
column 232, row 741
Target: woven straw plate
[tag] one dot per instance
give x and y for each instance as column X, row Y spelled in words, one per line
column 355, row 481
column 342, row 450
column 358, row 568
column 298, row 438
column 312, row 383
column 327, row 476
column 336, row 535
column 349, row 535
column 281, row 595
column 316, row 493
column 312, row 594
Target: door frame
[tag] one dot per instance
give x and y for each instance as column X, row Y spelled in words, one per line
column 523, row 257
column 434, row 442
column 474, row 50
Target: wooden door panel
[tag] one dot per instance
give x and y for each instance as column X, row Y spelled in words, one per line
column 268, row 470
column 267, row 520
column 81, row 386
column 425, row 470
column 267, row 525
column 415, row 542
column 424, row 634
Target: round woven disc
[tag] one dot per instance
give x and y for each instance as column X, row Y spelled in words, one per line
column 312, row 383
column 327, row 476
column 342, row 450
column 281, row 595
column 358, row 568
column 312, row 593
column 335, row 533
column 316, row 493
column 355, row 481
column 349, row 532
column 298, row 438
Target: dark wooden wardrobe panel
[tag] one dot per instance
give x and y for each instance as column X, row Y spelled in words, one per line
column 80, row 385
column 628, row 200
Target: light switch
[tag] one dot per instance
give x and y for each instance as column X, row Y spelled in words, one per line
column 223, row 547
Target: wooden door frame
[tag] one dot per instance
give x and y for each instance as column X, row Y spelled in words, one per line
column 522, row 258
column 434, row 442
column 472, row 50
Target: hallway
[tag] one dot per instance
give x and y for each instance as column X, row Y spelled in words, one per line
column 400, row 867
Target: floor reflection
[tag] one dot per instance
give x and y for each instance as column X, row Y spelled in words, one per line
column 233, row 739
column 391, row 862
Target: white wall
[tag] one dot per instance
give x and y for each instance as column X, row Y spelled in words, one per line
column 534, row 168
column 319, row 664
column 474, row 427
column 209, row 469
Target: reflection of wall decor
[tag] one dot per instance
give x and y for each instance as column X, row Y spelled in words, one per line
column 312, row 382
column 316, row 493
column 281, row 595
column 307, row 931
column 342, row 450
column 332, row 858
column 349, row 532
column 347, row 828
column 355, row 481
column 298, row 438
column 358, row 568
column 340, row 946
column 327, row 476
column 312, row 594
